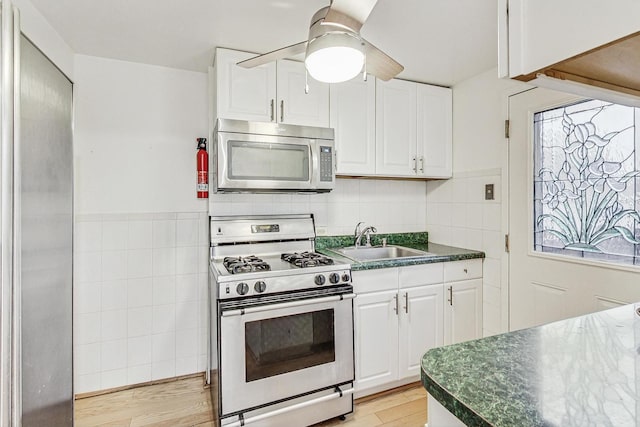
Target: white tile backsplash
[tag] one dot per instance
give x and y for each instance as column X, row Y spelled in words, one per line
column 164, row 261
column 139, row 374
column 139, row 321
column 139, row 263
column 164, row 234
column 140, row 232
column 139, row 350
column 114, row 295
column 114, row 265
column 113, row 355
column 139, row 292
column 113, row 325
column 114, row 235
column 164, row 318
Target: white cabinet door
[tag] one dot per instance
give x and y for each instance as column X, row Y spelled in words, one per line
column 544, row 32
column 296, row 107
column 396, row 128
column 463, row 311
column 353, row 116
column 421, row 326
column 244, row 94
column 434, row 129
column 376, row 339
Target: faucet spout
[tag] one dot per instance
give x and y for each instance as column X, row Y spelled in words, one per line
column 367, row 234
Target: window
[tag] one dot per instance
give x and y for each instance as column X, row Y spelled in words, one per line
column 586, row 184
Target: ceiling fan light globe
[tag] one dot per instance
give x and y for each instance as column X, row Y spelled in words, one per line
column 334, row 57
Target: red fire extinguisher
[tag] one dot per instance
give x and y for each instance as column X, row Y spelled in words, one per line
column 202, row 161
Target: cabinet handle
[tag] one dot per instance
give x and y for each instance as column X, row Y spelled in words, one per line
column 406, row 302
column 421, row 164
column 395, row 308
column 282, row 110
column 450, row 300
column 273, row 110
column 415, row 165
column 465, row 270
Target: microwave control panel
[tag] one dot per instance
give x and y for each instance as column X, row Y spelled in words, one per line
column 326, row 164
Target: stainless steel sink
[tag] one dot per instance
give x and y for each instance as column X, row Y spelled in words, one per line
column 373, row 253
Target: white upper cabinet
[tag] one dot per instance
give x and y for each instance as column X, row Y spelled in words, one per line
column 589, row 42
column 294, row 105
column 273, row 92
column 396, row 128
column 434, row 135
column 353, row 117
column 413, row 130
column 241, row 93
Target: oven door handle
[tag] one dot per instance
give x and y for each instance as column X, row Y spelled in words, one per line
column 339, row 393
column 270, row 307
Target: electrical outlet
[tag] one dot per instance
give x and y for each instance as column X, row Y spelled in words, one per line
column 321, row 231
column 488, row 192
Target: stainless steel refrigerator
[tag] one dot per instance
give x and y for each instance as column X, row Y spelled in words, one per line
column 36, row 180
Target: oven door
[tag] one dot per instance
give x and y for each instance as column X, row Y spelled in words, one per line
column 273, row 352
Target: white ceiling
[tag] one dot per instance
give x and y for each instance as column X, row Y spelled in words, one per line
column 438, row 41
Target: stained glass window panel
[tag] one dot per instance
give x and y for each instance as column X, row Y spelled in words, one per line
column 586, row 181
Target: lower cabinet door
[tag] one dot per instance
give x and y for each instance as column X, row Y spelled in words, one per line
column 421, row 326
column 376, row 338
column 463, row 311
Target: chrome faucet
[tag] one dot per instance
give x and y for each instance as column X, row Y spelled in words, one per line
column 366, row 232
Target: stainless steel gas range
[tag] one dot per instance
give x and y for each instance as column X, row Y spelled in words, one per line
column 281, row 316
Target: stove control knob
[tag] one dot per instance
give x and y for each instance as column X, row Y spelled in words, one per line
column 320, row 279
column 260, row 286
column 345, row 277
column 334, row 278
column 242, row 288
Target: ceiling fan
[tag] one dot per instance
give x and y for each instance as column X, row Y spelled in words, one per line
column 335, row 51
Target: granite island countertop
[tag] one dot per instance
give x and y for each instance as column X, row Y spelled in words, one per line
column 437, row 252
column 583, row 371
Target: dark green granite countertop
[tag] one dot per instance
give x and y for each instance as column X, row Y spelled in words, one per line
column 583, row 371
column 419, row 240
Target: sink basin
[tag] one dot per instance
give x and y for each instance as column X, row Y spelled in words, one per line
column 380, row 252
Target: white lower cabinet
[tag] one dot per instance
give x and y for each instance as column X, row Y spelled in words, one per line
column 376, row 339
column 420, row 326
column 463, row 306
column 400, row 313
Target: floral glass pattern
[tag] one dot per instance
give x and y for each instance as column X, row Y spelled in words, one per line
column 586, row 176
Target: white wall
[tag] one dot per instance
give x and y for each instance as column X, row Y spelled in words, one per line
column 457, row 213
column 135, row 129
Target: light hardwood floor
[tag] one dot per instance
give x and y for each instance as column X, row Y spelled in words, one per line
column 186, row 403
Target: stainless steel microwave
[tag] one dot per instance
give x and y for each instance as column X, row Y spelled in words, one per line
column 271, row 157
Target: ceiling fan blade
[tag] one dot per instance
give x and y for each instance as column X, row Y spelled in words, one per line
column 349, row 13
column 285, row 52
column 380, row 64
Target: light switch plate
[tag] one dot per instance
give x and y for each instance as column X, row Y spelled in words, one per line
column 488, row 192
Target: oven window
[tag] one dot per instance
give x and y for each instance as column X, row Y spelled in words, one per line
column 265, row 161
column 285, row 344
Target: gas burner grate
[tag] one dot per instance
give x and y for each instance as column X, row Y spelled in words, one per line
column 247, row 264
column 306, row 259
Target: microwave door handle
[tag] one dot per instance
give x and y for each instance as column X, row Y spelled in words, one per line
column 300, row 303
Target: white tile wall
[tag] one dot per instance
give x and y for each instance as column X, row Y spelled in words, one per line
column 140, row 298
column 141, row 279
column 458, row 215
